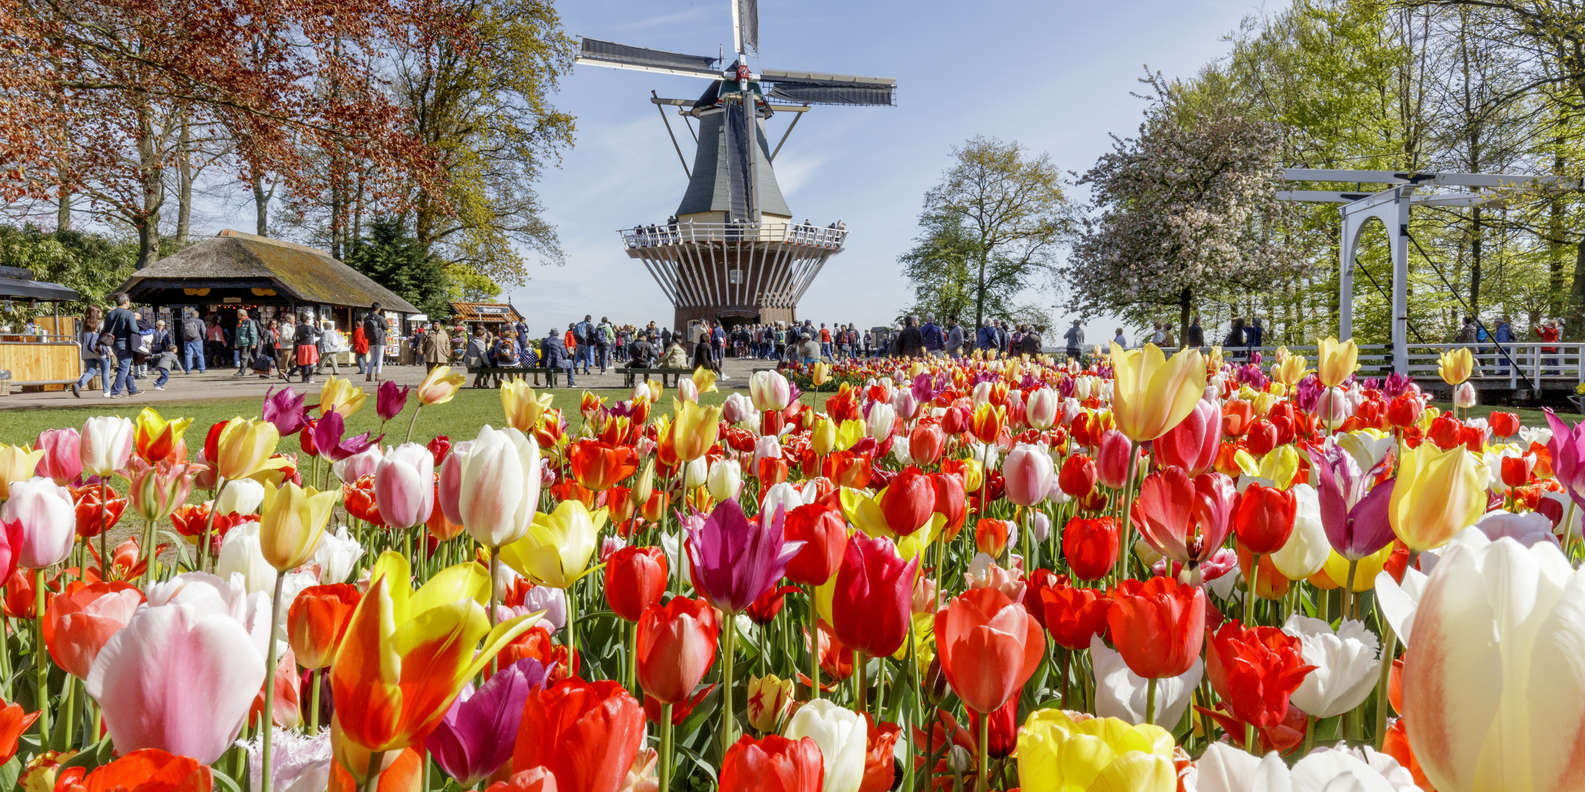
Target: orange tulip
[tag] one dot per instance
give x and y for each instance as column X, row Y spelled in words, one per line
column 989, row 646
column 147, row 769
column 987, row 422
column 79, row 622
column 317, row 620
column 13, row 722
column 600, row 466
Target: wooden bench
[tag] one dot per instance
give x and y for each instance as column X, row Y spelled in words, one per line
column 668, row 376
column 492, row 376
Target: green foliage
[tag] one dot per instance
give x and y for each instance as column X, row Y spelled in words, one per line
column 398, row 262
column 92, row 264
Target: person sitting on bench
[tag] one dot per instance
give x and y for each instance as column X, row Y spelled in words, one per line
column 641, row 353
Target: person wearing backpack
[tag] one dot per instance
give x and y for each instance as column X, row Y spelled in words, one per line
column 583, row 349
column 96, row 351
column 604, row 336
column 123, row 329
column 374, row 331
column 192, row 338
column 305, row 344
column 244, row 340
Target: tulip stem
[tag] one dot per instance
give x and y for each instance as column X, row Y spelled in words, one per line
column 209, row 526
column 572, row 619
column 982, row 780
column 71, row 712
column 630, row 672
column 1150, row 700
column 1254, row 578
column 814, row 646
column 150, row 567
column 1251, row 741
column 728, row 656
column 665, row 747
column 5, row 656
column 42, row 662
column 267, row 718
column 1389, row 647
column 371, row 776
column 104, row 531
column 495, row 569
column 915, row 721
column 1348, row 592
column 313, row 700
column 860, row 694
column 417, row 408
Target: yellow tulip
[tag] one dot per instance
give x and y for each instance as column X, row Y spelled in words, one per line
column 924, row 625
column 849, row 432
column 406, row 654
column 245, row 447
column 16, row 464
column 291, row 520
column 1334, row 573
column 1436, row 494
column 863, row 510
column 1455, row 365
column 1057, row 753
column 694, row 430
column 1289, row 369
column 439, row 386
column 153, row 437
column 820, row 373
column 1263, row 402
column 823, row 436
column 522, row 405
column 1151, row 394
column 1337, row 360
column 703, row 379
column 770, row 698
column 341, row 396
column 973, row 474
column 557, row 547
column 1276, row 469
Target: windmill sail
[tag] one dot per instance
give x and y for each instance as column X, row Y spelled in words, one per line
column 623, row 56
column 830, row 89
column 745, row 19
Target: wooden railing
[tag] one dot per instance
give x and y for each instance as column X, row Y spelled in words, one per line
column 1512, row 364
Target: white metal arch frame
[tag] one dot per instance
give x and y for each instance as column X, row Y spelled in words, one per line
column 1391, row 206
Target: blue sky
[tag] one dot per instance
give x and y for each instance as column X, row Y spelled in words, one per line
column 1054, row 76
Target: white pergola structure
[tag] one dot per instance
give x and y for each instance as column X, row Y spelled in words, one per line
column 1402, row 192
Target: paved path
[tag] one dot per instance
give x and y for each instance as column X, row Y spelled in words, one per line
column 225, row 385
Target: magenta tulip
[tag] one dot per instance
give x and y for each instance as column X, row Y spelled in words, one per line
column 1568, row 456
column 1353, row 512
column 47, row 517
column 62, row 461
column 390, row 400
column 179, row 677
column 328, row 440
column 734, row 560
column 475, row 738
column 284, row 408
column 404, row 485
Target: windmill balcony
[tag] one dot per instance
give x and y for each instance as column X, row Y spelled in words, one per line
column 688, row 232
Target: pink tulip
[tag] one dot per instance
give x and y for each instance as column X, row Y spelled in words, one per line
column 62, row 462
column 404, row 485
column 105, row 445
column 48, row 518
column 10, row 545
column 179, row 677
column 1111, row 458
column 1029, row 473
column 1193, row 443
column 358, row 465
column 1042, row 408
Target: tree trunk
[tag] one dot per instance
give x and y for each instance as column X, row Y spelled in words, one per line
column 148, row 214
column 63, row 205
column 184, row 182
column 1185, row 308
column 261, row 204
column 1557, row 245
column 1474, row 263
column 1575, row 323
column 979, row 292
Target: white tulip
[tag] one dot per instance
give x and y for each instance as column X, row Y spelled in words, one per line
column 841, row 734
column 1224, row 768
column 725, row 479
column 1347, row 664
column 1307, row 547
column 240, row 496
column 241, row 555
column 1120, row 693
column 337, row 555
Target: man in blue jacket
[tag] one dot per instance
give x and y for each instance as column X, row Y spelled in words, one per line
column 553, row 355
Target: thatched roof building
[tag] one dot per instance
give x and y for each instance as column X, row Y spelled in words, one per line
column 234, row 268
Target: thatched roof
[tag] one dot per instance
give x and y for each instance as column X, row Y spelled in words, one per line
column 233, row 259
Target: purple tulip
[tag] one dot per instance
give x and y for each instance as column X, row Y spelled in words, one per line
column 390, row 400
column 475, row 738
column 284, row 408
column 1568, row 456
column 734, row 559
column 328, row 431
column 1353, row 512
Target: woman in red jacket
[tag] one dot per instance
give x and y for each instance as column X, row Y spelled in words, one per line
column 360, row 347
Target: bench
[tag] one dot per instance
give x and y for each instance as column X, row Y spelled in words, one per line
column 668, row 376
column 492, row 376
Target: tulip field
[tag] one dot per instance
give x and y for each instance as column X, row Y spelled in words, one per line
column 1152, row 573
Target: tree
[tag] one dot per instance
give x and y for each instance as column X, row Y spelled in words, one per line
column 94, row 265
column 940, row 267
column 481, row 103
column 1185, row 209
column 993, row 223
column 399, row 263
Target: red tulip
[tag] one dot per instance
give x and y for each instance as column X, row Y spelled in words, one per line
column 1078, row 476
column 954, row 421
column 764, row 609
column 536, row 644
column 1404, row 411
column 1503, row 424
column 880, row 764
column 1184, row 519
column 1254, row 671
column 1261, row 438
column 908, row 501
column 772, row 764
column 925, row 442
column 1003, row 731
column 635, row 579
column 1157, row 625
column 147, row 769
column 598, row 465
column 1237, row 415
column 989, row 646
column 1089, row 545
column 13, row 722
column 1516, row 470
column 823, row 531
column 1192, row 444
column 79, row 621
column 316, row 621
column 1112, row 458
column 676, row 646
column 585, row 733
column 1263, row 518
column 90, row 521
column 870, row 607
column 950, row 503
column 1072, row 615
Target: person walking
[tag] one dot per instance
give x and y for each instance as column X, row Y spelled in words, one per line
column 1255, row 335
column 246, row 339
column 582, row 346
column 162, row 353
column 122, row 327
column 374, row 331
column 476, row 354
column 192, row 342
column 437, row 347
column 1503, row 335
column 331, row 344
column 910, row 342
column 305, row 347
column 286, row 348
column 1195, row 337
column 97, row 356
column 1075, row 338
column 553, row 354
column 360, row 348
column 216, row 342
column 954, row 345
column 604, row 339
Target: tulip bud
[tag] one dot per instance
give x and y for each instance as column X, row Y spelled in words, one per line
column 291, row 520
column 1464, row 395
column 725, row 479
column 105, row 445
column 49, row 521
column 644, row 485
column 1043, row 408
column 770, row 698
column 925, row 443
column 878, row 424
column 404, row 485
column 823, row 437
column 769, row 391
column 1112, row 459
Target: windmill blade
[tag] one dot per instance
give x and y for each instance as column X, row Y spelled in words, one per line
column 737, row 137
column 745, row 25
column 830, row 89
column 595, row 52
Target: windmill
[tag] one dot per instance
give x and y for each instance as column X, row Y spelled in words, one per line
column 731, row 251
